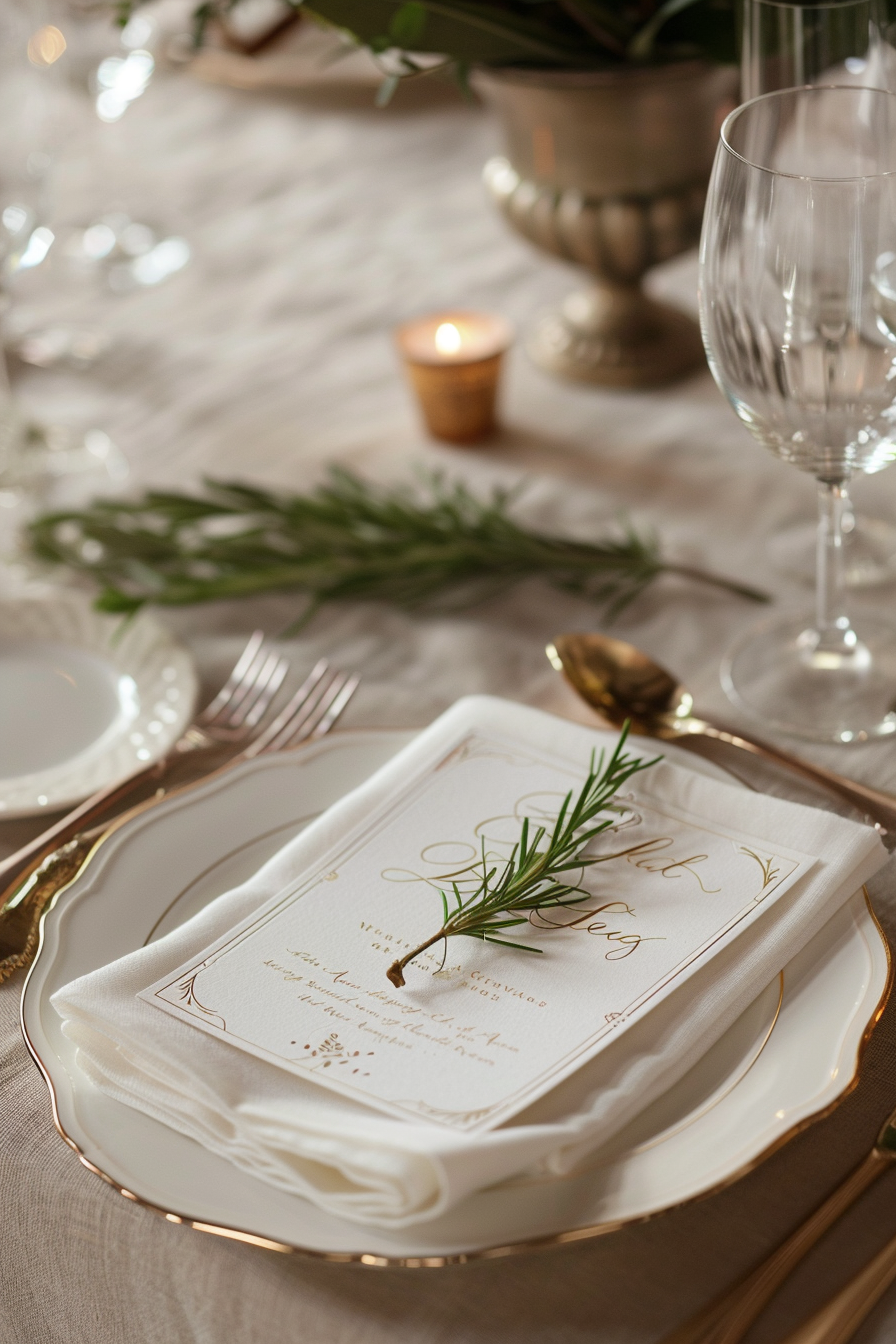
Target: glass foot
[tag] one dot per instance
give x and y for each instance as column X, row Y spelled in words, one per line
column 869, row 551
column 774, row 675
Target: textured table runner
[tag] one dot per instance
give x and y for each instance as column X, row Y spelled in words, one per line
column 317, row 224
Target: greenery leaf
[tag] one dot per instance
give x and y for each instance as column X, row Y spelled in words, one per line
column 484, row 33
column 386, row 91
column 641, row 46
column 408, row 25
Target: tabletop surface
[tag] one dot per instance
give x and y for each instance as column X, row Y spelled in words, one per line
column 318, row 223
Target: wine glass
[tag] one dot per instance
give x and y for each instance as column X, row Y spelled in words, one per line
column 798, row 312
column 840, row 42
column 787, row 45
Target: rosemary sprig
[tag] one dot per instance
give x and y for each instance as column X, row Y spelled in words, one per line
column 534, row 877
column 345, row 541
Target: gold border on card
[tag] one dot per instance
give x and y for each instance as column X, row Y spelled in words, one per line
column 527, row 1246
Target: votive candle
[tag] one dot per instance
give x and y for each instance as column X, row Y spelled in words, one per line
column 453, row 360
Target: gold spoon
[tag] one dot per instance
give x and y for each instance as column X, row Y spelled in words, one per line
column 621, row 682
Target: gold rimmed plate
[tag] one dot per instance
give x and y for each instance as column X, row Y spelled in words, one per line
column 789, row 1058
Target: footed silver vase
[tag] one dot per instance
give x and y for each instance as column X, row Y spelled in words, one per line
column 609, row 169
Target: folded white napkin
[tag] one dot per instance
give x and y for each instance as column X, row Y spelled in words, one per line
column 371, row 1168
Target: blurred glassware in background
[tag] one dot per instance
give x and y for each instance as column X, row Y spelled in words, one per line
column 36, row 455
column 25, row 113
column 785, row 46
column 129, row 252
column 121, row 79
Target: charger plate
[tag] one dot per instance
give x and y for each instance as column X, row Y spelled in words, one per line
column 791, row 1057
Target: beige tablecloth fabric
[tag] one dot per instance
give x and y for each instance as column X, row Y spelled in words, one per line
column 317, row 224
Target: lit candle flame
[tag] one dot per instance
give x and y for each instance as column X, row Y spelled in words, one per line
column 448, row 339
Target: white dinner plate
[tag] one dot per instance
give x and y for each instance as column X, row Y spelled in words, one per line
column 791, row 1055
column 85, row 700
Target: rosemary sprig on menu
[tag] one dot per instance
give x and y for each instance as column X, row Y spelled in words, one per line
column 347, row 540
column 536, row 875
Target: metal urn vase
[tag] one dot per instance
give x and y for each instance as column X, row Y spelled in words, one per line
column 609, row 169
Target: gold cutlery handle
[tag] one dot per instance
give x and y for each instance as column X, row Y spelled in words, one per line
column 881, row 807
column 728, row 1318
column 42, row 877
column 35, row 874
column 16, row 867
column 841, row 1317
column 21, row 918
column 103, row 806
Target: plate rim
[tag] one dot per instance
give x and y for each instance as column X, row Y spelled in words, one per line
column 370, row 1259
column 77, row 600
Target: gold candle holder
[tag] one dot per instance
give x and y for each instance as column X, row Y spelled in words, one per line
column 454, row 361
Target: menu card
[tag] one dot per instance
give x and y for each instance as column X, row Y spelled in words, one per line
column 479, row 1032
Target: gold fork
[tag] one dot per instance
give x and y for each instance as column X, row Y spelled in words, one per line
column 230, row 718
column 312, row 711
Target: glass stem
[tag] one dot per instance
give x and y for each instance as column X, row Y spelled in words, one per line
column 835, row 635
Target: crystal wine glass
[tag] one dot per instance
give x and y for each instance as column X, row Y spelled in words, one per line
column 840, row 42
column 798, row 310
column 787, row 45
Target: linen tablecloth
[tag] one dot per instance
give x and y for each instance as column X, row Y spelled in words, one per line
column 318, row 223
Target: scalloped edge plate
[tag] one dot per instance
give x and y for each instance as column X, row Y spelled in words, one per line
column 791, row 1057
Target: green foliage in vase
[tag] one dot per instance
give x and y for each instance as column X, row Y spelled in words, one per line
column 536, row 876
column 347, row 540
column 563, row 34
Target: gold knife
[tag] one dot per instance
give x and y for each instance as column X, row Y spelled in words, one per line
column 729, row 1316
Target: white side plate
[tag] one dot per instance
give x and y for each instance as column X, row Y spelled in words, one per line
column 85, row 700
column 791, row 1055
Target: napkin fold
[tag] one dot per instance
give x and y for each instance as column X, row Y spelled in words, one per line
column 374, row 1169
